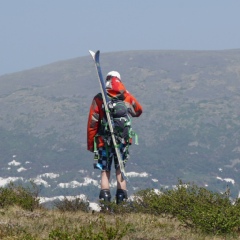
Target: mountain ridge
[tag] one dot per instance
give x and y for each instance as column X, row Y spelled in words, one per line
column 189, row 127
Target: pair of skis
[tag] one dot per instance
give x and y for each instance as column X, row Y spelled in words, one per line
column 96, row 59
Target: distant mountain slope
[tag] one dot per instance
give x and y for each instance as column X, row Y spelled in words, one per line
column 189, row 128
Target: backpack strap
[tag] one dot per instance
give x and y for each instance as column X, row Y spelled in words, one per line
column 133, row 134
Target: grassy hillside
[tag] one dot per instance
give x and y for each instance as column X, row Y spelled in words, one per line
column 187, row 212
column 52, row 225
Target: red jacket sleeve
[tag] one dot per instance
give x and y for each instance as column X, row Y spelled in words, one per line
column 132, row 104
column 94, row 118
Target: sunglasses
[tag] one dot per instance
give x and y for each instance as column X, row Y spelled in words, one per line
column 108, row 78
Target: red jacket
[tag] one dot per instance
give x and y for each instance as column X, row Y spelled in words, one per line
column 115, row 88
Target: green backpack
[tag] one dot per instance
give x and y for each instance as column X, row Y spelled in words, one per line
column 122, row 123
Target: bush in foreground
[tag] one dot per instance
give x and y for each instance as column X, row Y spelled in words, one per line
column 72, row 205
column 23, row 197
column 194, row 206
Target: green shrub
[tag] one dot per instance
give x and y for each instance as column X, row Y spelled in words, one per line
column 73, row 205
column 194, row 206
column 20, row 196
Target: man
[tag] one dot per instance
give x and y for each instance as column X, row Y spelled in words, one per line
column 101, row 144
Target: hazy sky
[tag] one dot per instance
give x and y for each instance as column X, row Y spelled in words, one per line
column 37, row 32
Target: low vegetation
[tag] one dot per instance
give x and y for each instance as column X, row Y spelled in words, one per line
column 186, row 212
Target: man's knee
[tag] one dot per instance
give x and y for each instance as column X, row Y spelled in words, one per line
column 105, row 195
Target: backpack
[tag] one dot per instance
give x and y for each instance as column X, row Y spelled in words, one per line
column 122, row 123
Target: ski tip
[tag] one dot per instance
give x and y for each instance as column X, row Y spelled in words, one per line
column 95, row 55
column 92, row 53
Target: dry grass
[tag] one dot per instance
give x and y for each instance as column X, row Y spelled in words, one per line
column 16, row 223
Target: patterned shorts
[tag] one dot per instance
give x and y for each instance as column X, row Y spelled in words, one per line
column 108, row 155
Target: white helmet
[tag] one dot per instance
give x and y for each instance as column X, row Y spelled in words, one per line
column 113, row 74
